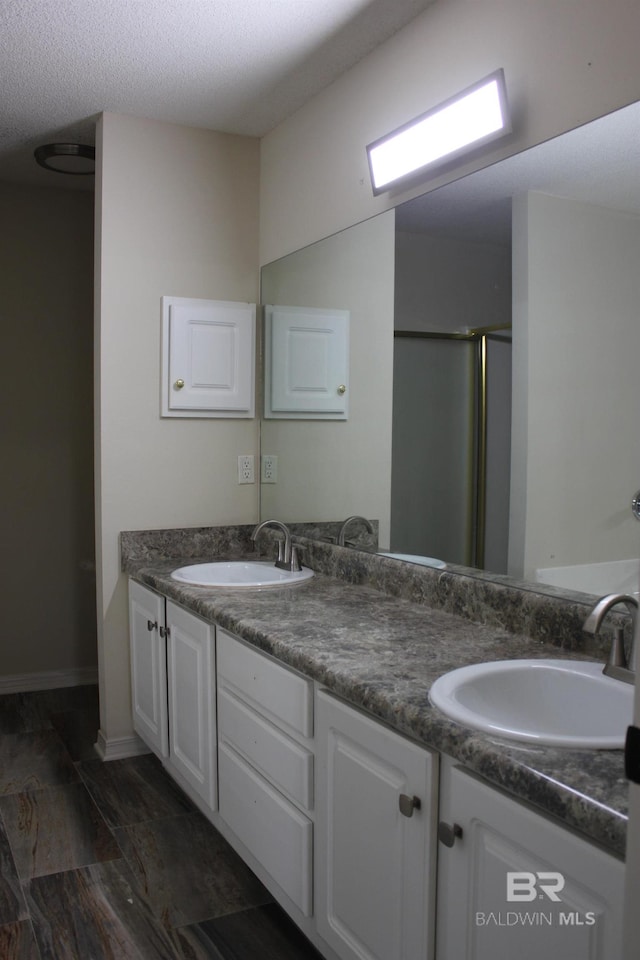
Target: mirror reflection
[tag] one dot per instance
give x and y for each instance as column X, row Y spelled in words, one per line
column 531, row 471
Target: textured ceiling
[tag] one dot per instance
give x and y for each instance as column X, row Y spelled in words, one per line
column 240, row 66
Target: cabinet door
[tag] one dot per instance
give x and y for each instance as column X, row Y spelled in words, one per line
column 208, row 358
column 191, row 682
column 516, row 884
column 374, row 864
column 148, row 667
column 306, row 363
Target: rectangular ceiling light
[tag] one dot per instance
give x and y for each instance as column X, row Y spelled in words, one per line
column 472, row 118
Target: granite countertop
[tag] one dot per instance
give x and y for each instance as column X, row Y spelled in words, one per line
column 383, row 653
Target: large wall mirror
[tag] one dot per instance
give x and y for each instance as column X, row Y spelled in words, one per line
column 494, row 382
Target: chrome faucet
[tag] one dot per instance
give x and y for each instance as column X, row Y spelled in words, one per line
column 287, row 553
column 343, row 528
column 617, row 665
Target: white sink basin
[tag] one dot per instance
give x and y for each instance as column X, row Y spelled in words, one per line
column 415, row 558
column 245, row 574
column 567, row 703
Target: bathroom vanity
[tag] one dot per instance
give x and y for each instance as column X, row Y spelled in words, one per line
column 298, row 721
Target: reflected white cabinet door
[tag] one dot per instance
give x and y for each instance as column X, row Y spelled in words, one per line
column 208, row 367
column 306, row 363
column 516, row 884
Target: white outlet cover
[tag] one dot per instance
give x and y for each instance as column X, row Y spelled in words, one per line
column 246, row 469
column 269, row 474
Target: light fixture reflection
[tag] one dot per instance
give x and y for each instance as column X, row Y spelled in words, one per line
column 473, row 117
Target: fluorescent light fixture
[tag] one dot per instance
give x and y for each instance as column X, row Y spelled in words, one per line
column 472, row 118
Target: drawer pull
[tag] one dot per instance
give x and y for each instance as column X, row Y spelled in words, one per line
column 447, row 833
column 408, row 805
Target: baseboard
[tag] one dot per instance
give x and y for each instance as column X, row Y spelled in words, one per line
column 119, row 748
column 48, row 680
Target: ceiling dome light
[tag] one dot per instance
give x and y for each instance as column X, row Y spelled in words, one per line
column 77, row 159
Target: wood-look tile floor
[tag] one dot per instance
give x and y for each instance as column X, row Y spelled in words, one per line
column 111, row 861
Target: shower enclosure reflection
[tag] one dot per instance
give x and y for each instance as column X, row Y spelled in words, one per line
column 451, row 446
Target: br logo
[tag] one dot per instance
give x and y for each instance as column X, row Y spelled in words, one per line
column 527, row 886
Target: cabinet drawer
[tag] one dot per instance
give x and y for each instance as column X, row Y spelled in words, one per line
column 275, row 832
column 286, row 764
column 278, row 693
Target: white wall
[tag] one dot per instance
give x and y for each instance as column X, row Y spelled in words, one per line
column 576, row 343
column 329, row 470
column 566, row 62
column 176, row 214
column 46, row 426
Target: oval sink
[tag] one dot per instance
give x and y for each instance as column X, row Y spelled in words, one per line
column 239, row 573
column 415, row 558
column 567, row 703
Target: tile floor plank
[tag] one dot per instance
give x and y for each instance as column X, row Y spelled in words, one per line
column 12, row 905
column 22, row 713
column 188, row 870
column 55, row 829
column 31, row 761
column 95, row 912
column 17, row 942
column 130, row 791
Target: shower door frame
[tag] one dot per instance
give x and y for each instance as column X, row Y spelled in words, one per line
column 479, row 338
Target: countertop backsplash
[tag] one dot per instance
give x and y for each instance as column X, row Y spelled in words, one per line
column 538, row 611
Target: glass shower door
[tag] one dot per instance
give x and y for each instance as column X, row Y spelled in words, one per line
column 433, row 456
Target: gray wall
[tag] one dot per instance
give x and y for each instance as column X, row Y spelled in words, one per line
column 46, row 431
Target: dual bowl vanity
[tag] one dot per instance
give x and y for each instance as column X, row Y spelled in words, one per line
column 299, row 719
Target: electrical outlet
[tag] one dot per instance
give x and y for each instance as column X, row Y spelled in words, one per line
column 245, row 469
column 269, row 472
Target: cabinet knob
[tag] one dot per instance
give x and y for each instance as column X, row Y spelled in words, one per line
column 342, row 389
column 179, row 384
column 151, row 625
column 165, row 632
column 408, row 804
column 448, row 832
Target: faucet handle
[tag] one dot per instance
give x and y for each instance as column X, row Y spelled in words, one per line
column 291, row 562
column 617, row 656
column 295, row 560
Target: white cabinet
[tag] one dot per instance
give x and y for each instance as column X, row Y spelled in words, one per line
column 191, row 695
column 306, row 363
column 375, row 823
column 208, row 358
column 338, row 813
column 516, row 884
column 148, row 667
column 173, row 689
column 265, row 758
